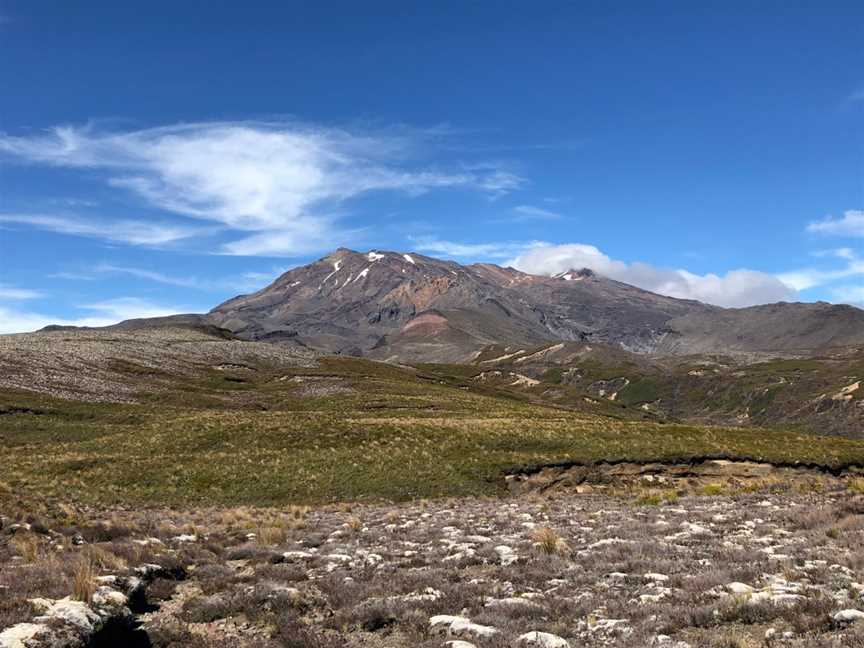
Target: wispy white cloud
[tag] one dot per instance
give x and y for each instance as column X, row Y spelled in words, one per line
column 285, row 182
column 8, row 292
column 132, row 232
column 528, row 212
column 457, row 250
column 246, row 281
column 103, row 313
column 851, row 224
column 804, row 278
column 243, row 282
column 849, row 294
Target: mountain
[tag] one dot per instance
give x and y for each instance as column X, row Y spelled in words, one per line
column 412, row 308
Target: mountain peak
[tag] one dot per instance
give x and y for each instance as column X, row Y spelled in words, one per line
column 576, row 275
column 407, row 306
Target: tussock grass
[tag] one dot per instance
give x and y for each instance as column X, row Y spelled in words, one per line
column 83, row 580
column 549, row 542
column 27, row 545
column 856, row 485
column 397, row 435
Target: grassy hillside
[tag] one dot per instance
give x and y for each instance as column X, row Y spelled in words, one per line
column 335, row 429
column 823, row 394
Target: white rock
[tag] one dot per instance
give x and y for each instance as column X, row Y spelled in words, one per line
column 465, row 628
column 458, row 643
column 848, row 616
column 186, row 537
column 739, row 588
column 19, row 635
column 295, row 556
column 444, row 621
column 513, row 601
column 429, row 594
column 506, row 555
column 148, row 570
column 542, row 640
column 657, row 578
column 77, row 613
column 110, row 597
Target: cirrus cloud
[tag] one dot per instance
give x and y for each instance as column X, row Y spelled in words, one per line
column 283, row 183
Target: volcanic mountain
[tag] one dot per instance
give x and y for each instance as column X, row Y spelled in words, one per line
column 410, row 308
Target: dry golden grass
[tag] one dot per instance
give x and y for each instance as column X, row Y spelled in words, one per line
column 83, row 580
column 354, row 523
column 549, row 542
column 856, row 485
column 272, row 534
column 104, row 559
column 653, row 497
column 27, row 545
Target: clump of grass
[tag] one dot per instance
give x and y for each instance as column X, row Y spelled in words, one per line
column 354, row 524
column 272, row 534
column 549, row 542
column 297, row 516
column 649, row 498
column 655, row 498
column 83, row 580
column 714, row 490
column 810, row 486
column 856, row 485
column 27, row 545
column 104, row 559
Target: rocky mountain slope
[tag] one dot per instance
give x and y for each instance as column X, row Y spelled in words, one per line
column 411, row 308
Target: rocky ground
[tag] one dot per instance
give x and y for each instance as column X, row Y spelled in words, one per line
column 115, row 366
column 771, row 567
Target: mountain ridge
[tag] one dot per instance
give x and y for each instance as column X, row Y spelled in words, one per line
column 361, row 303
column 408, row 307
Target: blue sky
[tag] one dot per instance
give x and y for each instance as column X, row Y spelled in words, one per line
column 162, row 157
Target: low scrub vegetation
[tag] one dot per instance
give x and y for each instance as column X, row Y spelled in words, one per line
column 392, row 434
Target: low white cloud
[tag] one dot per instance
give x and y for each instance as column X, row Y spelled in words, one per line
column 851, row 224
column 132, row 232
column 103, row 313
column 733, row 289
column 285, row 182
